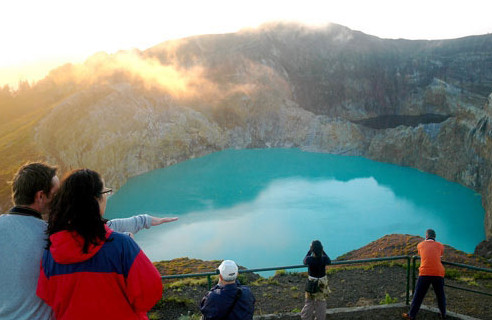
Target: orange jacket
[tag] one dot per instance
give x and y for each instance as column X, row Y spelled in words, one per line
column 430, row 253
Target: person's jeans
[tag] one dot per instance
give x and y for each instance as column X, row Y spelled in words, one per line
column 421, row 288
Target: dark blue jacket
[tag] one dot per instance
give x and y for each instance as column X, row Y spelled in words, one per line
column 316, row 265
column 217, row 301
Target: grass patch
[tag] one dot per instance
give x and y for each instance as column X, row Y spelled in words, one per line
column 467, row 276
column 178, row 300
column 188, row 282
column 264, row 281
column 190, row 317
column 280, row 273
column 469, row 280
column 388, row 300
column 161, row 304
column 452, row 274
column 154, row 316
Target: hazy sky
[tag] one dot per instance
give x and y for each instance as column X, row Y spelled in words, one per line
column 37, row 36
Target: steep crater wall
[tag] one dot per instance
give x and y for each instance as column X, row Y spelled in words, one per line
column 287, row 86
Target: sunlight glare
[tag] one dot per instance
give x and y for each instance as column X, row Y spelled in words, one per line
column 42, row 32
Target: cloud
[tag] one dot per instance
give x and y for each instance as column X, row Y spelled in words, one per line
column 132, row 66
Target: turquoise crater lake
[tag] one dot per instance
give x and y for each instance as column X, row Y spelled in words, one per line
column 263, row 207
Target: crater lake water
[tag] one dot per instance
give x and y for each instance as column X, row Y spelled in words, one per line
column 263, row 207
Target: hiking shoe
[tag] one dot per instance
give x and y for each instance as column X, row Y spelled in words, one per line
column 441, row 316
column 406, row 316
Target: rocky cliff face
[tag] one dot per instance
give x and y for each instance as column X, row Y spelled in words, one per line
column 280, row 86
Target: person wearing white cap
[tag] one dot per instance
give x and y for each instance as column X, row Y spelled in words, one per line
column 228, row 300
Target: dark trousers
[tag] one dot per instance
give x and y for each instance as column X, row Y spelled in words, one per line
column 423, row 284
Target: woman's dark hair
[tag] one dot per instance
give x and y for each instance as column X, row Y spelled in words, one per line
column 317, row 248
column 75, row 207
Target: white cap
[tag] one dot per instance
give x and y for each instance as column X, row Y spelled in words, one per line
column 228, row 270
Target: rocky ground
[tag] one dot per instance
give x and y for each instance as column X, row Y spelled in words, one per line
column 351, row 287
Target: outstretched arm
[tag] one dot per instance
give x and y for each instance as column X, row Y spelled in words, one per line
column 134, row 224
column 157, row 221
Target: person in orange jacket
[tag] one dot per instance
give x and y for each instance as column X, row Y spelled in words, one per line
column 431, row 271
column 88, row 271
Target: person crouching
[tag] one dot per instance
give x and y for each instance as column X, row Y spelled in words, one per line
column 228, row 299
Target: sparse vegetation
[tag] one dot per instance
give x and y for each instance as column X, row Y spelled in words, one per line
column 388, row 300
column 202, row 281
column 352, row 285
column 190, row 317
column 280, row 272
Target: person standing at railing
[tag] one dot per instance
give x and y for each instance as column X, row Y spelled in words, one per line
column 228, row 300
column 317, row 283
column 431, row 271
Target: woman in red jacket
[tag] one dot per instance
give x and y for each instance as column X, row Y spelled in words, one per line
column 88, row 271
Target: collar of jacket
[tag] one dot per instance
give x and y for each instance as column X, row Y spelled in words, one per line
column 25, row 211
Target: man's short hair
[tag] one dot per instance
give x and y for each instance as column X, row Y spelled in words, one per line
column 430, row 234
column 228, row 270
column 29, row 179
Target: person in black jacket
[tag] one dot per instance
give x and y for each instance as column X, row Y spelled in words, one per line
column 317, row 286
column 228, row 300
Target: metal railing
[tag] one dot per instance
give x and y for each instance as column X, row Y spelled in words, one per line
column 461, row 265
column 410, row 265
column 341, row 262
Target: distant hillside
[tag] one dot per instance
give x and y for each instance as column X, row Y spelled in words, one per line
column 386, row 246
column 400, row 244
column 424, row 104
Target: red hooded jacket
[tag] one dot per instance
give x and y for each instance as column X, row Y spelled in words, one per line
column 114, row 280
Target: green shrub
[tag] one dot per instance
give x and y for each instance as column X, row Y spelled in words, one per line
column 452, row 274
column 388, row 300
column 263, row 281
column 190, row 282
column 243, row 279
column 469, row 280
column 482, row 275
column 280, row 273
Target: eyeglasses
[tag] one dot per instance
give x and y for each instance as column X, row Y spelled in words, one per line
column 108, row 191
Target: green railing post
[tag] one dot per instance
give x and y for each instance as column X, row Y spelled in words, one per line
column 209, row 282
column 408, row 282
column 414, row 266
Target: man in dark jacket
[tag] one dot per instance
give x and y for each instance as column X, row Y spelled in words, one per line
column 228, row 299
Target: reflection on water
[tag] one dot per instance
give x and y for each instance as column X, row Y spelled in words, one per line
column 263, row 207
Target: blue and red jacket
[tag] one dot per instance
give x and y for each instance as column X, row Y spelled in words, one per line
column 114, row 280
